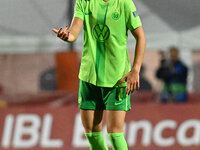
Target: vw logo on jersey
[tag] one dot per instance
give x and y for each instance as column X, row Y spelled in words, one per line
column 101, row 32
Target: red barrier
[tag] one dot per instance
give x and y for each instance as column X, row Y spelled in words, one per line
column 67, row 65
column 148, row 126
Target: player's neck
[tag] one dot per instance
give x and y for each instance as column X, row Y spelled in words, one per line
column 105, row 0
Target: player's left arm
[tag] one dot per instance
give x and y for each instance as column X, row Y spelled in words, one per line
column 132, row 77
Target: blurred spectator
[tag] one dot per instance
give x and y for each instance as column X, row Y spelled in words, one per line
column 174, row 75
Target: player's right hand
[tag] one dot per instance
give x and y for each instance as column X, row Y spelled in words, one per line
column 64, row 34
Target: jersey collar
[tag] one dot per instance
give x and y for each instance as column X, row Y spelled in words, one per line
column 105, row 3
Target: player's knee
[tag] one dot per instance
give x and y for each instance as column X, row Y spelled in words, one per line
column 115, row 129
column 89, row 129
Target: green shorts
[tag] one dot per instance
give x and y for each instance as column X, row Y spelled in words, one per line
column 102, row 98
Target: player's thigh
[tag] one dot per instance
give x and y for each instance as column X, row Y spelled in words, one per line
column 92, row 120
column 115, row 120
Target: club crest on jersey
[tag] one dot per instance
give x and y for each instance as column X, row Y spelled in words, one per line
column 115, row 15
column 135, row 14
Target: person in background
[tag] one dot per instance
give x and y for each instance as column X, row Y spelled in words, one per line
column 173, row 73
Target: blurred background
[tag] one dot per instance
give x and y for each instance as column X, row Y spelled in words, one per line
column 39, row 78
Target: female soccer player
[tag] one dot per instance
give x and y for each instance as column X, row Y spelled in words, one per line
column 106, row 77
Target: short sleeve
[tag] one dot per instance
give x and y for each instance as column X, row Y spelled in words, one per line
column 132, row 19
column 78, row 10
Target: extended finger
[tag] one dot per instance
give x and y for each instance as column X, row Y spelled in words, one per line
column 55, row 30
column 131, row 88
column 134, row 86
column 138, row 85
column 63, row 34
column 65, row 28
column 59, row 32
column 128, row 88
column 123, row 79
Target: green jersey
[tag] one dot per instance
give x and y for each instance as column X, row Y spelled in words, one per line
column 105, row 57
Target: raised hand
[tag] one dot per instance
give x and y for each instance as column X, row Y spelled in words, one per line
column 64, row 34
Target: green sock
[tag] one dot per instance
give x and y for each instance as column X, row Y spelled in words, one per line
column 118, row 141
column 96, row 141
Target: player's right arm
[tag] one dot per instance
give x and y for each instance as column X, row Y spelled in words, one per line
column 71, row 34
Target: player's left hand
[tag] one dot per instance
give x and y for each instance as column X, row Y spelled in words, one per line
column 132, row 79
